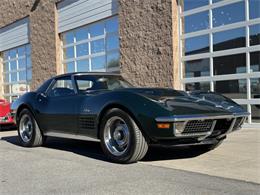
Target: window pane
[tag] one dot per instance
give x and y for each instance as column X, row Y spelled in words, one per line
column 215, row 1
column 22, row 76
column 229, row 64
column 255, row 61
column 254, row 7
column 13, row 77
column 28, row 62
column 196, row 68
column 235, row 89
column 82, row 49
column 6, row 67
column 83, row 65
column 113, row 60
column 191, row 4
column 12, row 53
column 97, row 46
column 6, row 55
column 69, row 67
column 97, row 29
column 22, row 63
column 28, row 49
column 203, row 86
column 69, row 52
column 254, row 34
column 196, row 22
column 197, row 45
column 229, row 39
column 98, row 63
column 255, row 113
column 229, row 14
column 112, row 25
column 81, row 34
column 21, row 51
column 13, row 65
column 6, row 78
column 68, row 38
column 255, row 88
column 112, row 42
column 29, row 74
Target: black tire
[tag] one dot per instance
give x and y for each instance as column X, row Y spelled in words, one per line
column 36, row 138
column 137, row 143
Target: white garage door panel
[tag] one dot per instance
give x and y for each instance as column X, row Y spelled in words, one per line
column 14, row 35
column 72, row 14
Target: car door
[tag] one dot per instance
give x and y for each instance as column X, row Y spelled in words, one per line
column 58, row 107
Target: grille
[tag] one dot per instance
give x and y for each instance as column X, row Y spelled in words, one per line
column 198, row 126
column 87, row 122
column 238, row 123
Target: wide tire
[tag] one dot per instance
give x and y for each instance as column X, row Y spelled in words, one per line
column 121, row 139
column 29, row 132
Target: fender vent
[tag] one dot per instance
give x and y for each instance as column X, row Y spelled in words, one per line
column 87, row 122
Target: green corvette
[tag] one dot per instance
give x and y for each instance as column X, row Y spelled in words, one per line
column 126, row 119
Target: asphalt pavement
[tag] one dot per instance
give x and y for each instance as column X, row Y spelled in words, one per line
column 79, row 167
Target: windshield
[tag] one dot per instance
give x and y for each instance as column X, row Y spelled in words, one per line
column 88, row 83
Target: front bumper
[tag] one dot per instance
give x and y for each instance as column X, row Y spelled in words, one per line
column 218, row 126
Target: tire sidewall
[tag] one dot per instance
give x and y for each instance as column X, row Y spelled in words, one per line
column 29, row 114
column 132, row 135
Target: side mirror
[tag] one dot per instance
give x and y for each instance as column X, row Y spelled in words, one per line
column 41, row 96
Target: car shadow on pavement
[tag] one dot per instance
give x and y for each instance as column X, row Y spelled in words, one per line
column 93, row 149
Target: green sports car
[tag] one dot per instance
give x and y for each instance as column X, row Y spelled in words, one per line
column 126, row 119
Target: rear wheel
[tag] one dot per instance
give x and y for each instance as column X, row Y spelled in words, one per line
column 29, row 132
column 121, row 139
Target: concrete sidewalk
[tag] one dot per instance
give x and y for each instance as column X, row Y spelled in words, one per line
column 238, row 158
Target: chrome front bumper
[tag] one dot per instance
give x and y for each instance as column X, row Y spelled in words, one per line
column 236, row 119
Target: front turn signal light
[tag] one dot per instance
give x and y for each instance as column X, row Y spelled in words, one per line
column 163, row 125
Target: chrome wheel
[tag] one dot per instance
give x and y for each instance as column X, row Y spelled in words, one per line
column 26, row 128
column 116, row 136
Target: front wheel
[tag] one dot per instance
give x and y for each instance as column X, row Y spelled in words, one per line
column 121, row 139
column 29, row 132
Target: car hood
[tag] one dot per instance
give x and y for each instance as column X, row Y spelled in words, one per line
column 180, row 102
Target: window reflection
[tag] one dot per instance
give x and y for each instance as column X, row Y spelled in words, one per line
column 97, row 29
column 112, row 42
column 69, row 52
column 196, row 68
column 97, row 46
column 254, row 34
column 255, row 61
column 196, row 22
column 69, row 67
column 228, row 14
column 254, row 7
column 197, row 45
column 112, row 25
column 82, row 49
column 98, row 63
column 231, row 64
column 202, row 86
column 255, row 112
column 255, row 88
column 113, row 59
column 81, row 34
column 191, row 4
column 235, row 89
column 82, row 65
column 68, row 38
column 229, row 39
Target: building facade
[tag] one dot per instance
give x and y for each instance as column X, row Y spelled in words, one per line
column 186, row 44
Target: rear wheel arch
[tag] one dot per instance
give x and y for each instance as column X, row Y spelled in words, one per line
column 125, row 109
